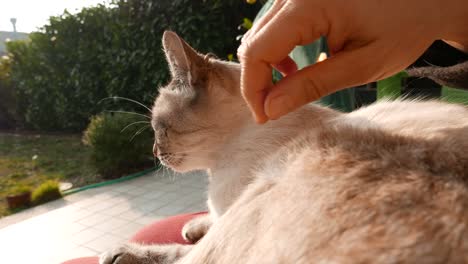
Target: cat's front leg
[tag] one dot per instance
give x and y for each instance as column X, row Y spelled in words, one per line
column 141, row 254
column 196, row 228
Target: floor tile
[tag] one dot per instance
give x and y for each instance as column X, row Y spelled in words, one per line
column 149, row 218
column 77, row 252
column 111, row 224
column 91, row 221
column 104, row 243
column 94, row 219
column 131, row 215
column 127, row 231
column 86, row 235
column 117, row 209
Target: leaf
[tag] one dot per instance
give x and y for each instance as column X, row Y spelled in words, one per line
column 247, row 23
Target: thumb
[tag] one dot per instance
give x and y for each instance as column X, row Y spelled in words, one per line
column 345, row 69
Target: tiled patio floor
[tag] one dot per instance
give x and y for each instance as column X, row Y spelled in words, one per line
column 92, row 221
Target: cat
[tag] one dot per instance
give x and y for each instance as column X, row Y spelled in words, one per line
column 452, row 76
column 385, row 183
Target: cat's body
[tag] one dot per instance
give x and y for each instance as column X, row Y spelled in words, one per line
column 247, row 151
column 386, row 183
column 369, row 191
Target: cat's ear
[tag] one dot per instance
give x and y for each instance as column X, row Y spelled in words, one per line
column 184, row 61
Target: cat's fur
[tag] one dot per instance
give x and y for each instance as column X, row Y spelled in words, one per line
column 452, row 76
column 386, row 183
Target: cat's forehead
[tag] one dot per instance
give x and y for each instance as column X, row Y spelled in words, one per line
column 172, row 101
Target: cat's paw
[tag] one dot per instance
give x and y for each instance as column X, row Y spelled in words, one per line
column 196, row 228
column 140, row 254
column 125, row 254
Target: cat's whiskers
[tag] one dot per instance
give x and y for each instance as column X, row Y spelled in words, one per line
column 406, row 85
column 140, row 131
column 160, row 170
column 126, row 99
column 170, row 174
column 431, row 64
column 193, row 151
column 134, row 123
column 166, row 173
column 127, row 112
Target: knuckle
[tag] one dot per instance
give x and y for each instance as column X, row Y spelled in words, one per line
column 245, row 50
column 310, row 89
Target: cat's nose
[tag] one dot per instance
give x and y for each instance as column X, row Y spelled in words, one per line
column 155, row 150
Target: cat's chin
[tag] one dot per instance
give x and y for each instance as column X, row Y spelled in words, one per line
column 185, row 168
column 182, row 165
column 179, row 168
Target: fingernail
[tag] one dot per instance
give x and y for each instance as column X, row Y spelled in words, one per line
column 277, row 106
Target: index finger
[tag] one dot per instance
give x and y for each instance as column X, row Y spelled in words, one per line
column 256, row 78
column 270, row 45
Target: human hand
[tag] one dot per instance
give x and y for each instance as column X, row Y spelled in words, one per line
column 368, row 40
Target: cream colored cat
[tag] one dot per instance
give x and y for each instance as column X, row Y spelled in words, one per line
column 384, row 184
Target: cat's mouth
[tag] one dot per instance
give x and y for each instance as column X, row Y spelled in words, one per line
column 171, row 160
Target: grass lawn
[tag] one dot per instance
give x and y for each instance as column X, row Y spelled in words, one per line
column 31, row 159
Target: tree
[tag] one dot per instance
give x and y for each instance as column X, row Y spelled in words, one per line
column 75, row 61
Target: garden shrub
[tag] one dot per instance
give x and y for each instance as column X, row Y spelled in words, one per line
column 119, row 145
column 19, row 189
column 76, row 60
column 47, row 191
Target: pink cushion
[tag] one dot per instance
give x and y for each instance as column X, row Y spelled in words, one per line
column 86, row 260
column 165, row 231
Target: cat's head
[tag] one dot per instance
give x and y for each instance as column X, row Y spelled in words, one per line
column 198, row 110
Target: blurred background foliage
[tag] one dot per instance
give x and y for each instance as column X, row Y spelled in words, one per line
column 53, row 84
column 118, row 145
column 56, row 79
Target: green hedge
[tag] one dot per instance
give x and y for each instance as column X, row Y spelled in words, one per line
column 62, row 73
column 120, row 143
column 46, row 192
column 7, row 98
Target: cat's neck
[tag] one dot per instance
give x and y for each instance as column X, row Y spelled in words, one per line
column 251, row 145
column 252, row 142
